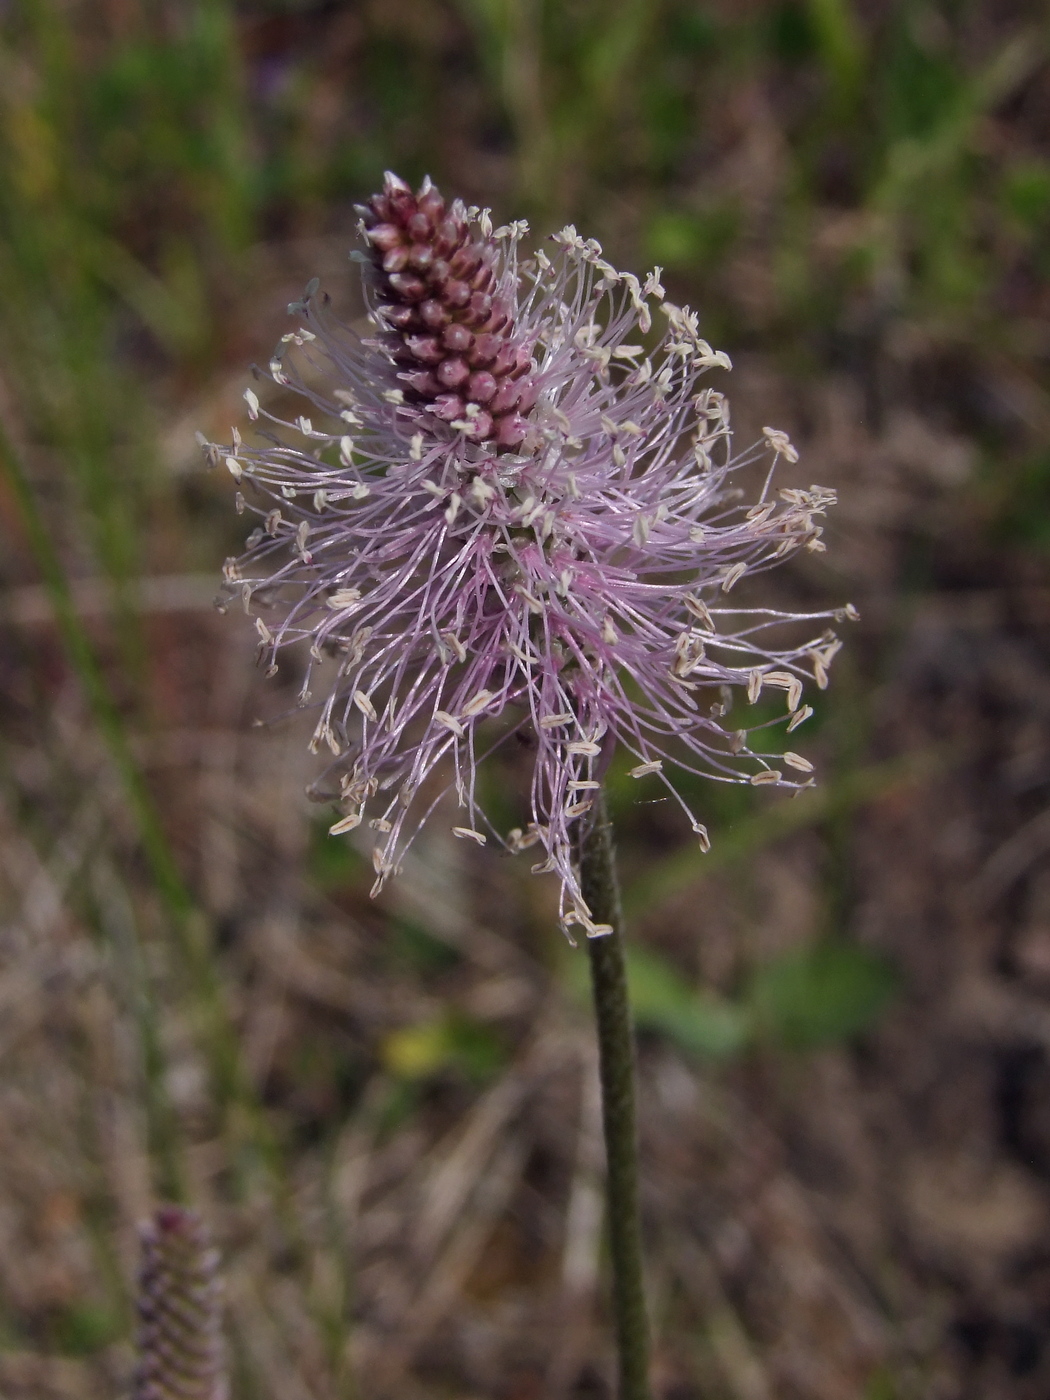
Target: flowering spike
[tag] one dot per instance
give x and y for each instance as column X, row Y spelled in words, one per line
column 534, row 524
column 180, row 1333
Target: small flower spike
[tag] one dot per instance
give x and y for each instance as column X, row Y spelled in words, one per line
column 450, row 308
column 180, row 1332
column 510, row 507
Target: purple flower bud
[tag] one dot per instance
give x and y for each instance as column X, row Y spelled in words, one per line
column 452, row 373
column 457, row 338
column 434, row 313
column 385, row 237
column 481, row 386
column 523, row 523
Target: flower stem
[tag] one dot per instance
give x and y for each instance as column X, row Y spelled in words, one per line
column 616, row 1058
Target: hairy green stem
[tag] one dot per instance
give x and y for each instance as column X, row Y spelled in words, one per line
column 616, row 1058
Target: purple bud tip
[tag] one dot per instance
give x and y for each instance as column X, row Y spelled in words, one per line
column 434, row 273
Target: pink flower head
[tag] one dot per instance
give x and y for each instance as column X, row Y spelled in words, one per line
column 510, row 509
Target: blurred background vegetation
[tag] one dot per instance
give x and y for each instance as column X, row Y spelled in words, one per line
column 387, row 1112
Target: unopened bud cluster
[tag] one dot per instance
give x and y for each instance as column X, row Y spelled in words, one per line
column 180, row 1316
column 451, row 328
column 511, row 507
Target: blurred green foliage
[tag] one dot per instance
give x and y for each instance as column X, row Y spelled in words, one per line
column 332, row 865
column 84, row 1328
column 411, row 945
column 814, row 996
column 448, row 1043
column 701, row 1024
column 827, row 992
